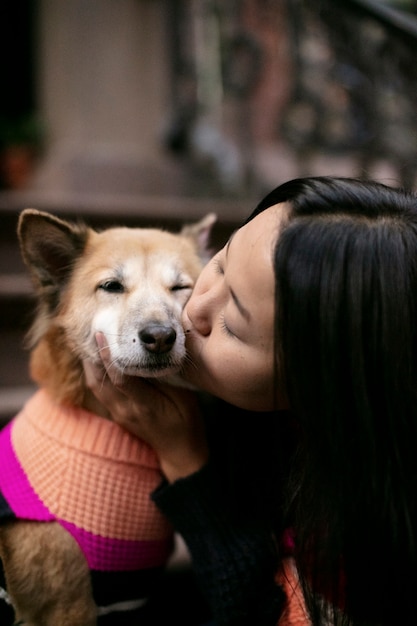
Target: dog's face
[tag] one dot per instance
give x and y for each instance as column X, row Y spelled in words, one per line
column 129, row 283
column 132, row 285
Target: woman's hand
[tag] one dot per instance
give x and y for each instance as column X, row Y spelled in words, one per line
column 167, row 418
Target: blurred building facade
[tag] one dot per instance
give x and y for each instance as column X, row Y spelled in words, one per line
column 151, row 96
column 207, row 98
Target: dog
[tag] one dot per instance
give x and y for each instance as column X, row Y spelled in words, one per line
column 81, row 542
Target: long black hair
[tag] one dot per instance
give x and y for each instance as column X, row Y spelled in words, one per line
column 345, row 268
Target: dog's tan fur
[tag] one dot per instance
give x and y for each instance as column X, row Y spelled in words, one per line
column 126, row 283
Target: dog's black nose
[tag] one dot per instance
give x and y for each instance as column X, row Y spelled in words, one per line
column 158, row 338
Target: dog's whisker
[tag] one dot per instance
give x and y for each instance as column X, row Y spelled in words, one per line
column 188, row 359
column 109, row 345
column 113, row 362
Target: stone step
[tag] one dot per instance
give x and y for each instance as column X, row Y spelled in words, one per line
column 12, row 399
column 15, row 285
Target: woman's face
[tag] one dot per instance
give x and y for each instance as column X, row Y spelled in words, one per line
column 229, row 319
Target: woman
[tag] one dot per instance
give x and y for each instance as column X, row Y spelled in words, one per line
column 306, row 322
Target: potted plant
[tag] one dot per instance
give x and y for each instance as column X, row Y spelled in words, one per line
column 20, row 144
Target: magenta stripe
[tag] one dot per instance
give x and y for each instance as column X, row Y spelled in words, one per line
column 106, row 554
column 102, row 553
column 15, row 486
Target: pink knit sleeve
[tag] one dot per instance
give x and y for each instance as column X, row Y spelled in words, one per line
column 295, row 613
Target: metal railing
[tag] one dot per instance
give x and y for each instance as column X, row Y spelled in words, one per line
column 355, row 83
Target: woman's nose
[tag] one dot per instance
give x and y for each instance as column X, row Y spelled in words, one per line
column 198, row 311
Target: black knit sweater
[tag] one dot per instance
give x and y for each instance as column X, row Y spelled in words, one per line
column 232, row 555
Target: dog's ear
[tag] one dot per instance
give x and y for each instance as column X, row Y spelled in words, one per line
column 49, row 246
column 200, row 233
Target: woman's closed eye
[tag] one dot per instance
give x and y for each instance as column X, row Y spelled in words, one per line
column 225, row 328
column 217, row 265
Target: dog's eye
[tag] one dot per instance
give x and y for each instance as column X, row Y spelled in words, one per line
column 112, row 286
column 179, row 287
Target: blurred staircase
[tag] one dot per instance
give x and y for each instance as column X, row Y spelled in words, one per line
column 16, row 304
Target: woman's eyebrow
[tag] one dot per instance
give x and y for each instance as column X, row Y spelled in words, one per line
column 242, row 310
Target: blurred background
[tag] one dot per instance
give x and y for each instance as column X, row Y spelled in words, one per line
column 154, row 112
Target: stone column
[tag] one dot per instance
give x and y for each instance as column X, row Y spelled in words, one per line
column 104, row 96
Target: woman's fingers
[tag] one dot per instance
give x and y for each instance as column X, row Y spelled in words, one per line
column 167, row 418
column 104, row 351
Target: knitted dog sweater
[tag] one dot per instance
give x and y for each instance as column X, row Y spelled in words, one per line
column 68, row 465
